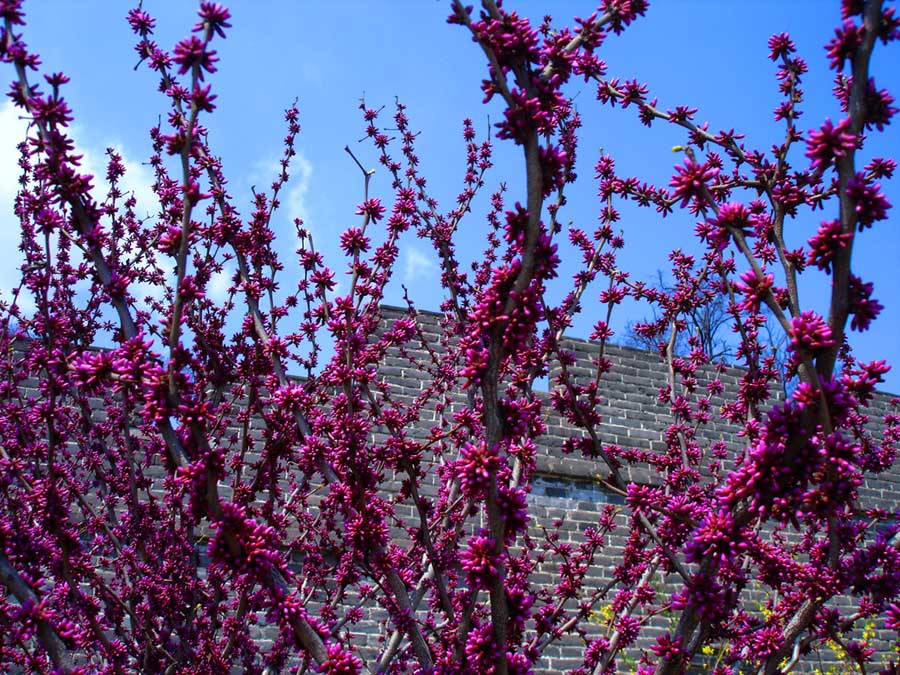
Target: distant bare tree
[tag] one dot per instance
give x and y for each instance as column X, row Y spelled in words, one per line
column 708, row 324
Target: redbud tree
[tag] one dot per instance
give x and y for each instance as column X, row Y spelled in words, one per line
column 178, row 472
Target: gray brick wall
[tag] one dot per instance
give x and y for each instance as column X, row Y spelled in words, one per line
column 565, row 487
column 565, row 495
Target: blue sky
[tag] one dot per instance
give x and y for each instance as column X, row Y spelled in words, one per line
column 705, row 53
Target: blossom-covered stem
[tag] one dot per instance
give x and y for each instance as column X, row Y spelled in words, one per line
column 542, row 640
column 430, row 552
column 533, row 171
column 306, row 634
column 431, row 573
column 433, row 223
column 366, row 219
column 490, row 380
column 627, row 611
column 740, row 241
column 61, row 656
column 188, row 201
column 256, row 314
column 617, row 481
column 304, row 630
column 101, row 265
column 791, row 136
column 129, row 329
column 394, row 642
column 790, row 269
column 401, row 595
column 577, row 42
column 728, row 144
column 839, row 308
column 670, row 363
column 798, row 623
column 72, row 584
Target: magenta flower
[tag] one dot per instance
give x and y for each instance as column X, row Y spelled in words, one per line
column 829, row 143
column 690, row 182
column 732, row 218
column 372, row 209
column 481, row 649
column 826, row 242
column 717, row 537
column 203, row 99
column 755, row 289
column 191, row 52
column 892, row 620
column 258, row 551
column 141, row 22
column 879, row 107
column 843, row 46
column 340, row 661
column 809, row 332
column 668, row 648
column 780, row 46
column 766, row 641
column 863, row 306
column 90, row 368
column 215, row 15
column 852, row 8
column 477, row 463
column 514, row 508
column 871, row 204
column 554, row 162
column 480, row 562
column 623, row 12
column 354, row 242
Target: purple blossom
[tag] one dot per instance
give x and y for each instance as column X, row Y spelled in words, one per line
column 781, row 46
column 215, row 16
column 192, row 52
column 371, row 209
column 141, row 22
column 340, row 661
column 846, row 41
column 755, row 288
column 354, row 242
column 828, row 240
column 691, row 182
column 810, row 333
column 829, row 143
column 878, row 106
column 480, row 562
column 477, row 465
column 863, row 307
column 870, row 203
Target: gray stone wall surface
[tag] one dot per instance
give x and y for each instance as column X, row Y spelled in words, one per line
column 565, row 490
column 565, row 494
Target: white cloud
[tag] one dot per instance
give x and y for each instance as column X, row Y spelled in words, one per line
column 219, row 283
column 293, row 197
column 300, row 172
column 138, row 180
column 417, row 265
